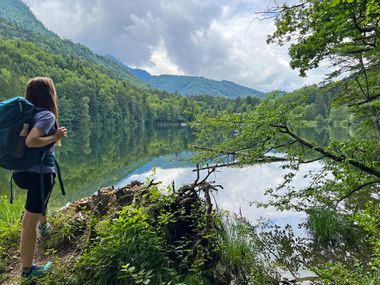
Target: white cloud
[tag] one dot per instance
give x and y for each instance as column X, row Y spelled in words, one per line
column 160, row 63
column 218, row 39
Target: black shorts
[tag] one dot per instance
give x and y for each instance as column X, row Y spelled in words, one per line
column 32, row 182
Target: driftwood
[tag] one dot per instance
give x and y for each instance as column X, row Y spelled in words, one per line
column 106, row 200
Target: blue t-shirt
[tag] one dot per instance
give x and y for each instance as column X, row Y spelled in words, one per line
column 43, row 120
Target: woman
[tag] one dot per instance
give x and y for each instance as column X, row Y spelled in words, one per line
column 44, row 133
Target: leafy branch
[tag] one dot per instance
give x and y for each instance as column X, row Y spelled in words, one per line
column 341, row 159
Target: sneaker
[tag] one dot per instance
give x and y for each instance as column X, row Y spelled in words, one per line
column 37, row 271
column 44, row 229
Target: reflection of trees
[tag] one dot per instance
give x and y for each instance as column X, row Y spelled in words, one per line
column 92, row 158
column 319, row 136
column 339, row 133
column 92, row 155
column 324, row 134
column 80, row 141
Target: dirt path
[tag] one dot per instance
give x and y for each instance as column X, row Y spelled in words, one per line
column 13, row 277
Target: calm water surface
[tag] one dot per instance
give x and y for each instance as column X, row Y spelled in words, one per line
column 94, row 159
column 242, row 186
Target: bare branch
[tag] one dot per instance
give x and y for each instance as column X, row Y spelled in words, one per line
column 198, row 173
column 265, row 159
column 279, row 146
column 152, row 183
column 361, row 88
column 217, row 166
column 236, row 151
column 365, row 76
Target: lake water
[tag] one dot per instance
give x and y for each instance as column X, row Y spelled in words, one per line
column 99, row 158
column 94, row 159
column 242, row 186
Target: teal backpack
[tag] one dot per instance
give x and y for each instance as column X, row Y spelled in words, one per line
column 14, row 113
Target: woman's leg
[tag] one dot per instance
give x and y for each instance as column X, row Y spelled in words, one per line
column 49, row 180
column 33, row 215
column 44, row 227
column 43, row 219
column 28, row 239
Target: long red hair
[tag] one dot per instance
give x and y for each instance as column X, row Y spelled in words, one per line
column 40, row 91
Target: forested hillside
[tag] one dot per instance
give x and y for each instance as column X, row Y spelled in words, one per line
column 195, row 85
column 91, row 88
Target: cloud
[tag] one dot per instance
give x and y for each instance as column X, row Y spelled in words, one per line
column 160, row 63
column 218, row 39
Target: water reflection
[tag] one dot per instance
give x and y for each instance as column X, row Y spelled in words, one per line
column 99, row 157
column 241, row 186
column 91, row 159
column 324, row 134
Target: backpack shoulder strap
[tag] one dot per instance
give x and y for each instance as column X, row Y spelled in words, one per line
column 58, row 169
column 11, row 196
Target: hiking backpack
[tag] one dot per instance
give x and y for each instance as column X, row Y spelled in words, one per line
column 14, row 114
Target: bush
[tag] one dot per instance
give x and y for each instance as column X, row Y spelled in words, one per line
column 155, row 238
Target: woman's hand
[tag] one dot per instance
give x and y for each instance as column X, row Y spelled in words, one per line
column 36, row 137
column 60, row 133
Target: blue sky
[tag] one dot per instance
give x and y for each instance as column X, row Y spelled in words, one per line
column 218, row 39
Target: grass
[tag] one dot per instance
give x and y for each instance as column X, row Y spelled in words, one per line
column 10, row 226
column 240, row 263
column 151, row 239
column 328, row 227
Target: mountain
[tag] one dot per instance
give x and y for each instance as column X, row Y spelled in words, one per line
column 18, row 13
column 18, row 22
column 15, row 15
column 93, row 90
column 195, row 85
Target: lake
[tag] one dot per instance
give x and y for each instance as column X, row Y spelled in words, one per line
column 94, row 159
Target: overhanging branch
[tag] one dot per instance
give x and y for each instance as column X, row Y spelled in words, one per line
column 342, row 158
column 357, row 189
column 369, row 99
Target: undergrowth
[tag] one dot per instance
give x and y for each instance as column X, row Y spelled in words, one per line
column 157, row 238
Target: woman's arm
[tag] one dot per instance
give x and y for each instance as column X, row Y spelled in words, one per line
column 37, row 139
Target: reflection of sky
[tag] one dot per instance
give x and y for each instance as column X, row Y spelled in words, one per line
column 241, row 186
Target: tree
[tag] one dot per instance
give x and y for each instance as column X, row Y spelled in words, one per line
column 347, row 34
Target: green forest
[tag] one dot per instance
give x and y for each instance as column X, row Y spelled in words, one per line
column 103, row 99
column 91, row 87
column 147, row 233
column 190, row 85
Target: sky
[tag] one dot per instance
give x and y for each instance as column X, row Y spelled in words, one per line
column 217, row 39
